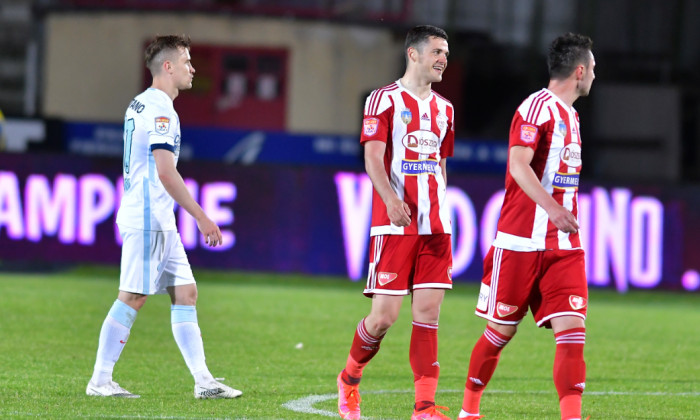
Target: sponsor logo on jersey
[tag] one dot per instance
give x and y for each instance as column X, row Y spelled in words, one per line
column 369, row 126
column 504, row 310
column 449, row 273
column 162, row 125
column 528, row 133
column 577, row 302
column 483, row 301
column 565, row 181
column 385, row 278
column 561, row 125
column 422, row 141
column 137, row 106
column 425, row 117
column 418, row 167
column 571, row 155
column 177, row 145
column 406, row 116
column 441, row 120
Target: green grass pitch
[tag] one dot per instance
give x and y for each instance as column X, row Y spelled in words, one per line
column 642, row 352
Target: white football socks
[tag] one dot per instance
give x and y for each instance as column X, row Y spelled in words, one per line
column 189, row 339
column 113, row 336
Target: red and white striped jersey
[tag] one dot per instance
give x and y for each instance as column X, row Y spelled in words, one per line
column 418, row 134
column 551, row 128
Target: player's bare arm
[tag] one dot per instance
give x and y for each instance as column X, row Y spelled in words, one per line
column 398, row 211
column 443, row 168
column 521, row 171
column 175, row 186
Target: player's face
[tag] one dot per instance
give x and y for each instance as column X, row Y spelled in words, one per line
column 432, row 58
column 584, row 87
column 183, row 71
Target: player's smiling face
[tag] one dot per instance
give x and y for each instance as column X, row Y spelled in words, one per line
column 432, row 58
column 183, row 71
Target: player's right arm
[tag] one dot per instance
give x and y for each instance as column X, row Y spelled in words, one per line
column 175, row 186
column 397, row 210
column 519, row 159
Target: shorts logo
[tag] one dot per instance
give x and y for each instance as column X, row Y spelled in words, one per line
column 369, row 126
column 577, row 302
column 162, row 125
column 386, row 278
column 406, row 116
column 449, row 273
column 484, row 292
column 528, row 133
column 505, row 310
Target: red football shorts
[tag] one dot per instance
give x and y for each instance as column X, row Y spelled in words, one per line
column 550, row 283
column 399, row 264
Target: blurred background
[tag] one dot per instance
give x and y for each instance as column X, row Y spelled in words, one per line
column 270, row 130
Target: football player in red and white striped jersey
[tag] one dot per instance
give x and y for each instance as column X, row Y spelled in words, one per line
column 407, row 133
column 536, row 261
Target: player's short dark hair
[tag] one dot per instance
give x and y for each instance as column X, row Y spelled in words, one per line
column 566, row 52
column 420, row 35
column 161, row 46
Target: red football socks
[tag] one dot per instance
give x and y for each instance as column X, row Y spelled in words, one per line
column 570, row 371
column 482, row 364
column 423, row 355
column 364, row 347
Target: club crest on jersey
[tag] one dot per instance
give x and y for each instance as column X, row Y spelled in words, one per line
column 528, row 133
column 577, row 302
column 384, row 278
column 406, row 116
column 162, row 125
column 369, row 126
column 504, row 310
column 422, row 141
column 571, row 155
column 441, row 121
column 561, row 126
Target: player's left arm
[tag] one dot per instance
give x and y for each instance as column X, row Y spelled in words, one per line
column 443, row 167
column 175, row 186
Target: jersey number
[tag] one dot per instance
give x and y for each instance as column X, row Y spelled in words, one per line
column 128, row 134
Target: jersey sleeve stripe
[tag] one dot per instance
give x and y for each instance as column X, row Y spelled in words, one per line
column 376, row 99
column 165, row 146
column 535, row 107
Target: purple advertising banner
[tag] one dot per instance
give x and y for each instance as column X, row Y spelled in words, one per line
column 61, row 208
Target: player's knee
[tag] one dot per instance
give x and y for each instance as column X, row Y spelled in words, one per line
column 507, row 330
column 379, row 324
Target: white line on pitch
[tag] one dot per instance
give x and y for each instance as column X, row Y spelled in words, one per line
column 306, row 404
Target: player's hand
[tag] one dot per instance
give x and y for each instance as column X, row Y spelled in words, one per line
column 210, row 231
column 399, row 213
column 563, row 219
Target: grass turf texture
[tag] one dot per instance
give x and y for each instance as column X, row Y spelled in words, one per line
column 642, row 351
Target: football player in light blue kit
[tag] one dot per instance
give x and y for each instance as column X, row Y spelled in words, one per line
column 153, row 258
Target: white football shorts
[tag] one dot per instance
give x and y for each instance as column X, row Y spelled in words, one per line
column 152, row 261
